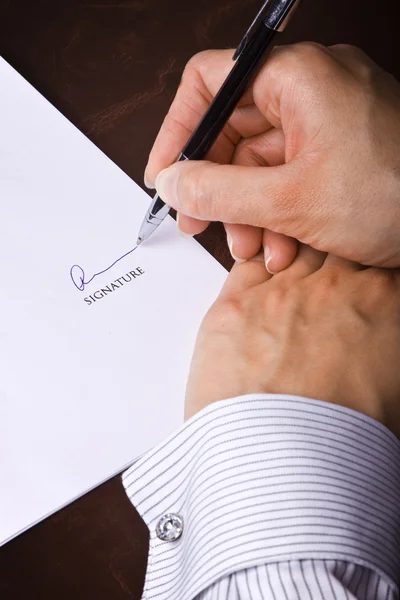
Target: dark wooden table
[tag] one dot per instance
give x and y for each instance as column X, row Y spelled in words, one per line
column 112, row 67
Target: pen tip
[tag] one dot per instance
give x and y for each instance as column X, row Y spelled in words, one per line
column 139, row 241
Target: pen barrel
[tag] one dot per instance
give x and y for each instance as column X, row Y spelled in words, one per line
column 228, row 97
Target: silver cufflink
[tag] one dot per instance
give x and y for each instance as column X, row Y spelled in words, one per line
column 169, row 528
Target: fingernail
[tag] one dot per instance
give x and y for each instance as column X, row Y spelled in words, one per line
column 167, row 186
column 230, row 246
column 147, row 183
column 268, row 258
column 182, row 233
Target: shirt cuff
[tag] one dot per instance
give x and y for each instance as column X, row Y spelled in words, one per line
column 268, row 478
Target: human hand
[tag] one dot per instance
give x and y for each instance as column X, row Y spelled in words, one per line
column 325, row 328
column 311, row 152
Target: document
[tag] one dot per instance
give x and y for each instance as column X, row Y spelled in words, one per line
column 96, row 335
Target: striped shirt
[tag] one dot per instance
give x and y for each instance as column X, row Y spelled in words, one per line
column 281, row 498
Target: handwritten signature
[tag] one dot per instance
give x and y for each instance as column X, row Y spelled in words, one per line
column 78, row 276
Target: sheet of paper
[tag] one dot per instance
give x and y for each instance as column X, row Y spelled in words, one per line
column 93, row 361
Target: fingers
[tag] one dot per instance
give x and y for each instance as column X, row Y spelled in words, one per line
column 279, row 197
column 245, row 276
column 201, row 80
column 265, row 149
column 261, row 196
column 190, row 226
column 248, row 121
column 270, row 101
column 279, row 251
column 244, row 242
column 191, row 102
column 307, row 262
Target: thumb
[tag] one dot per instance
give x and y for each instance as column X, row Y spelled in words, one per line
column 261, row 196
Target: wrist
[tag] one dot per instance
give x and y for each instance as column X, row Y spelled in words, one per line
column 354, row 391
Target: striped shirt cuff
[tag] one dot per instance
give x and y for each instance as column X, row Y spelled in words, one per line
column 262, row 479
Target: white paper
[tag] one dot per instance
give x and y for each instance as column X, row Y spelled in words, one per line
column 84, row 389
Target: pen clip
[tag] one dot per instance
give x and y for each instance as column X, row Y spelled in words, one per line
column 250, row 32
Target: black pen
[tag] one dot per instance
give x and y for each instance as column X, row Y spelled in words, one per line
column 249, row 57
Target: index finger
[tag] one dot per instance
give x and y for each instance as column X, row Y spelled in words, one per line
column 201, row 80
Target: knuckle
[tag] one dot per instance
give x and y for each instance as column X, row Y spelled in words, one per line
column 197, row 62
column 357, row 61
column 309, row 49
column 171, row 120
column 281, row 61
column 379, row 293
column 365, row 73
column 308, row 63
column 277, row 295
column 348, row 48
column 303, row 54
column 225, row 315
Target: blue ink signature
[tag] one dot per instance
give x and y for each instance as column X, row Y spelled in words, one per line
column 78, row 277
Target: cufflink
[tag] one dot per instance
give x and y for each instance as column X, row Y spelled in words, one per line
column 169, row 528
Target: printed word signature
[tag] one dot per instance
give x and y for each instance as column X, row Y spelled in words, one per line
column 78, row 276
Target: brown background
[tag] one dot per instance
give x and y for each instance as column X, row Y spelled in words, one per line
column 112, row 66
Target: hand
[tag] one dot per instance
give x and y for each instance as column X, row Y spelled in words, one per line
column 325, row 328
column 312, row 152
